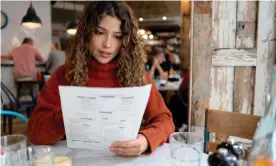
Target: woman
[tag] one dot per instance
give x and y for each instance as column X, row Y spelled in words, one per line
column 106, row 53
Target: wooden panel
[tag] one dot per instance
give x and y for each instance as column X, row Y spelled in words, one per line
column 201, row 60
column 232, row 123
column 244, row 76
column 222, row 88
column 234, row 57
column 224, row 24
column 244, row 89
column 265, row 52
column 246, row 24
column 224, row 30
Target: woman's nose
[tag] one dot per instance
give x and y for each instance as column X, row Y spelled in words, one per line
column 107, row 42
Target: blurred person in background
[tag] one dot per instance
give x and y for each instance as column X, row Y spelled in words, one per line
column 24, row 57
column 159, row 64
column 56, row 59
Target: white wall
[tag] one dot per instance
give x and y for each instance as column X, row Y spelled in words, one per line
column 13, row 34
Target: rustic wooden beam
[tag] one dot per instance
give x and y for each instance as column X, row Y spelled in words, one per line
column 224, row 36
column 266, row 50
column 184, row 35
column 200, row 60
column 234, row 57
column 244, row 80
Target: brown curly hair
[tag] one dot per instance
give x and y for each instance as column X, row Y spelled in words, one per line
column 132, row 58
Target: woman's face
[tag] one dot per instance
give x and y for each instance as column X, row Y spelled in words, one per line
column 106, row 41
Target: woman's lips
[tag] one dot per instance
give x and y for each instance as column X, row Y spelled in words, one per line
column 105, row 54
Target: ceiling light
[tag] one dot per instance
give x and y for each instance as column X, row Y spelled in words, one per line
column 164, row 18
column 141, row 19
column 31, row 20
column 145, row 36
column 142, row 31
column 150, row 36
column 72, row 27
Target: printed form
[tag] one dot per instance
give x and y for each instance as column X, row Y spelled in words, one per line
column 96, row 117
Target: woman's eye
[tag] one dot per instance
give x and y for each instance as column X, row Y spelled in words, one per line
column 118, row 37
column 99, row 33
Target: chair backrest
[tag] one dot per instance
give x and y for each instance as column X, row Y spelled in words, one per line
column 10, row 95
column 20, row 116
column 229, row 124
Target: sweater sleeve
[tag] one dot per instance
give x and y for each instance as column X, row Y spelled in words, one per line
column 158, row 120
column 45, row 125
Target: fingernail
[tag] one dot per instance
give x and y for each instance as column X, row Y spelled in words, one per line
column 111, row 148
column 113, row 144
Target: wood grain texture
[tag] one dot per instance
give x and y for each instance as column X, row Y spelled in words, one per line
column 243, row 90
column 222, row 88
column 246, row 38
column 232, row 123
column 246, row 24
column 234, row 57
column 224, row 24
column 201, row 61
column 224, row 30
column 265, row 52
column 185, row 42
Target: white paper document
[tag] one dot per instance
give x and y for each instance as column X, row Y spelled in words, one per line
column 96, row 117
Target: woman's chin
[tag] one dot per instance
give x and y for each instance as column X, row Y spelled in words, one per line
column 103, row 60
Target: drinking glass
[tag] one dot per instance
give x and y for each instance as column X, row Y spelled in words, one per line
column 35, row 156
column 10, row 144
column 186, row 148
column 63, row 156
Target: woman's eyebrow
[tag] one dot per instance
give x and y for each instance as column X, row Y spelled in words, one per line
column 107, row 30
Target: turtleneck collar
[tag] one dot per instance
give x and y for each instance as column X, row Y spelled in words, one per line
column 102, row 71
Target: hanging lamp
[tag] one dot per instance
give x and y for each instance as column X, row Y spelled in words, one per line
column 72, row 26
column 31, row 20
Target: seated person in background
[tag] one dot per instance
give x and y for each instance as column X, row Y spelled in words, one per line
column 102, row 56
column 173, row 58
column 56, row 59
column 179, row 103
column 159, row 65
column 24, row 58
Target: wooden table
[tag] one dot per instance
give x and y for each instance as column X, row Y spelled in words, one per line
column 160, row 157
column 169, row 86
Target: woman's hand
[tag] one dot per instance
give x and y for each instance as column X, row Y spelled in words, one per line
column 130, row 148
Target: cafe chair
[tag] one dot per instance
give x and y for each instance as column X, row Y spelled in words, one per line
column 13, row 104
column 225, row 124
column 16, row 114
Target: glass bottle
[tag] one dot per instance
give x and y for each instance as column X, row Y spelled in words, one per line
column 263, row 150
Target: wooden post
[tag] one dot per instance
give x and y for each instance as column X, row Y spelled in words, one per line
column 200, row 60
column 266, row 51
column 184, row 34
column 244, row 76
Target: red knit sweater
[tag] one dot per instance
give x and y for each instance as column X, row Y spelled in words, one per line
column 46, row 122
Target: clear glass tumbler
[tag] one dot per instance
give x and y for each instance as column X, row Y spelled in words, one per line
column 10, row 144
column 63, row 156
column 35, row 156
column 186, row 148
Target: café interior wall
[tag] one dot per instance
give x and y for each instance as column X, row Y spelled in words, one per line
column 13, row 34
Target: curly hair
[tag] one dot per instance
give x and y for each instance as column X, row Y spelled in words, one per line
column 132, row 58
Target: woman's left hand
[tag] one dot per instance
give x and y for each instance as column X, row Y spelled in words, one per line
column 130, row 148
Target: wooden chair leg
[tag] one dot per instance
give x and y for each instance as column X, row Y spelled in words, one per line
column 10, row 124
